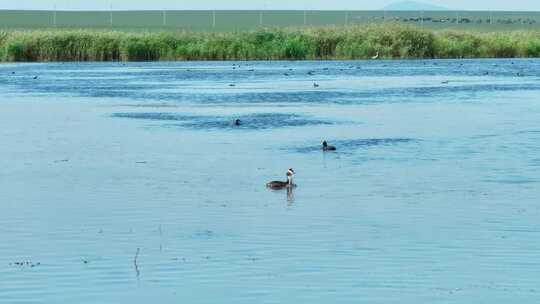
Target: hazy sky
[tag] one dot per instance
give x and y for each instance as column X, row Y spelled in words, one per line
column 532, row 5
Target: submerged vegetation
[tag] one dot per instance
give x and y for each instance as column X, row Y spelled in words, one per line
column 390, row 41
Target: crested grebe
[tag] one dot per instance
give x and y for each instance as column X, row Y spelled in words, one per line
column 327, row 147
column 237, row 122
column 276, row 185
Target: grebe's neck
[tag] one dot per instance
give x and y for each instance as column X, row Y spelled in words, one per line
column 290, row 180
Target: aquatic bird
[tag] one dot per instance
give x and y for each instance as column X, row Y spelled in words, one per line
column 35, row 77
column 445, row 82
column 310, row 73
column 286, row 74
column 232, row 85
column 376, row 56
column 315, row 85
column 237, row 122
column 327, row 147
column 277, row 185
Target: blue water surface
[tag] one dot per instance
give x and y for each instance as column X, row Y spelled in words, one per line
column 129, row 183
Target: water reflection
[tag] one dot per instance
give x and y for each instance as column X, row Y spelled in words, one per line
column 290, row 195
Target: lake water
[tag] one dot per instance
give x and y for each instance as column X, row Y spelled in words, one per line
column 127, row 183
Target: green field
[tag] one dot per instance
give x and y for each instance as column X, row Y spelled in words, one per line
column 250, row 20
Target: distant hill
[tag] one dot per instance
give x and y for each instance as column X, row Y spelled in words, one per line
column 414, row 6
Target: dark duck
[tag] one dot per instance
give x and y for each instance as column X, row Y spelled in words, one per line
column 327, row 147
column 277, row 185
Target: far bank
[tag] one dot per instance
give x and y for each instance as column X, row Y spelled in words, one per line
column 389, row 41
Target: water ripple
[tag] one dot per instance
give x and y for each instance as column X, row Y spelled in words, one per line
column 348, row 145
column 256, row 121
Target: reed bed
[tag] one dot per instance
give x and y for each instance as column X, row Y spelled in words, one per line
column 390, row 41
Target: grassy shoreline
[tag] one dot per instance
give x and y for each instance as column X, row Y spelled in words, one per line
column 391, row 41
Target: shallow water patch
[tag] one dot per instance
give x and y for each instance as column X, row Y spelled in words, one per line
column 348, row 145
column 155, row 116
column 256, row 121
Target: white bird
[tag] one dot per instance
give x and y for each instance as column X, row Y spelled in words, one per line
column 376, row 56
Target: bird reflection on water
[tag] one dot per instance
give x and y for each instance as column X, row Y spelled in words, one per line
column 290, row 195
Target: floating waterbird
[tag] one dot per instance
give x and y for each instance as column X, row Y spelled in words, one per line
column 277, row 185
column 237, row 122
column 327, row 147
column 315, row 85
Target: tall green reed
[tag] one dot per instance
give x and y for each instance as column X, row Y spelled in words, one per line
column 390, row 41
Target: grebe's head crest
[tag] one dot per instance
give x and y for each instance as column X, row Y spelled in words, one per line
column 290, row 172
column 324, row 143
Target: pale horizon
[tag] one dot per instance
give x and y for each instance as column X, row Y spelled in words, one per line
column 465, row 5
